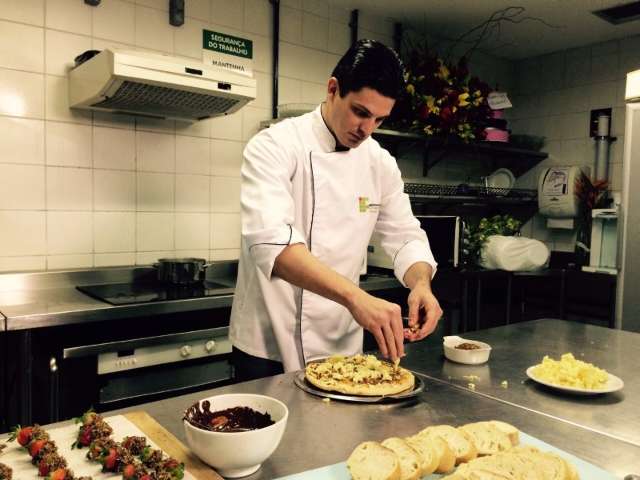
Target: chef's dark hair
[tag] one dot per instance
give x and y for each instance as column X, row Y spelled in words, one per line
column 369, row 63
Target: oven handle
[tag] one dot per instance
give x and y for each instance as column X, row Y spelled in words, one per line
column 132, row 344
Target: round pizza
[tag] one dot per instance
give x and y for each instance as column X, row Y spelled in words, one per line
column 359, row 375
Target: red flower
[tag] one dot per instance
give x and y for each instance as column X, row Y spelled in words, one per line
column 446, row 114
column 424, row 111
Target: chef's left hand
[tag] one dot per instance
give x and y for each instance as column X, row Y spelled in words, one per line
column 421, row 300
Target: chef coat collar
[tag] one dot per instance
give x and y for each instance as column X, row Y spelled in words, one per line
column 328, row 141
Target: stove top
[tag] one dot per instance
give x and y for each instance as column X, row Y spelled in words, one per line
column 128, row 293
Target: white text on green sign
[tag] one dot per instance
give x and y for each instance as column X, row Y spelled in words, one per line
column 223, row 43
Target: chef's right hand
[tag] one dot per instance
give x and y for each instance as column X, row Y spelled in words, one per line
column 383, row 319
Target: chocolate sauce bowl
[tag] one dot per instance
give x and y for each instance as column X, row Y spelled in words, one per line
column 234, row 433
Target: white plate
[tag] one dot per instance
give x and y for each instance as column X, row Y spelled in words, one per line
column 613, row 384
column 501, row 178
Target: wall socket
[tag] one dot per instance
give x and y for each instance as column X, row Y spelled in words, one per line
column 593, row 123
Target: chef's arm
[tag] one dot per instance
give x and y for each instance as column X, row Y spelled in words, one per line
column 421, row 300
column 298, row 266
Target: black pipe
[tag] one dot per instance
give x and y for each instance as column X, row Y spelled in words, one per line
column 276, row 56
column 397, row 37
column 353, row 24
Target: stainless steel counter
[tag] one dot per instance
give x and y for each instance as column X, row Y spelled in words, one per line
column 320, row 433
column 518, row 346
column 37, row 300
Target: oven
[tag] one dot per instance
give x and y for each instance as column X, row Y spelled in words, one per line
column 141, row 342
column 108, row 365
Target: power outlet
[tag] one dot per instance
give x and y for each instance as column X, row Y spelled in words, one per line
column 593, row 123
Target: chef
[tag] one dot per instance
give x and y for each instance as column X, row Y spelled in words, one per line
column 313, row 190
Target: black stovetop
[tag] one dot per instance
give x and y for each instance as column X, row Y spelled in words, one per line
column 129, row 293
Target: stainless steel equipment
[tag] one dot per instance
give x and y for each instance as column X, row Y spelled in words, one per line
column 67, row 352
column 181, row 271
column 445, row 234
column 627, row 301
column 604, row 242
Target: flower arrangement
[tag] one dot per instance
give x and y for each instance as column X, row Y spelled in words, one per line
column 476, row 237
column 443, row 99
column 590, row 195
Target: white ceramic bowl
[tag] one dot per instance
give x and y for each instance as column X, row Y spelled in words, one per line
column 238, row 454
column 470, row 357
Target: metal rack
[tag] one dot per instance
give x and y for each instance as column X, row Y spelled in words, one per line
column 465, row 193
column 435, row 149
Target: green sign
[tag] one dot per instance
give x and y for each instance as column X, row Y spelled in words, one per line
column 223, row 43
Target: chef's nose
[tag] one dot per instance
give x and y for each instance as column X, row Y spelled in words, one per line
column 368, row 126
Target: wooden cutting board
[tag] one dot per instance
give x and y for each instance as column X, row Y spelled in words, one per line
column 171, row 445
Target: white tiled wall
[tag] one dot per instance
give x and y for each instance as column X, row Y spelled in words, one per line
column 554, row 95
column 79, row 189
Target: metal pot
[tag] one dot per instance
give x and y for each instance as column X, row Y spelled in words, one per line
column 181, row 271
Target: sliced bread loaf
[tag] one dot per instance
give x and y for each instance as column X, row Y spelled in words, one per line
column 518, row 466
column 461, row 445
column 410, row 460
column 427, row 451
column 480, row 473
column 510, row 430
column 372, row 461
column 487, row 438
column 446, row 457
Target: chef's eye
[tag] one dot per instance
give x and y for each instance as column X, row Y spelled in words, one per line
column 361, row 113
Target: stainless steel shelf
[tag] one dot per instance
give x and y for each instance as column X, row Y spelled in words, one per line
column 518, row 160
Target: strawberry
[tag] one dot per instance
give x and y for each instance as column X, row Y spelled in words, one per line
column 109, row 460
column 35, row 447
column 87, row 418
column 43, row 468
column 145, row 477
column 172, row 466
column 84, row 436
column 50, row 462
column 59, row 474
column 22, row 434
column 129, row 472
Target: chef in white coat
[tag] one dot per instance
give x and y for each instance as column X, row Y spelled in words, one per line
column 314, row 188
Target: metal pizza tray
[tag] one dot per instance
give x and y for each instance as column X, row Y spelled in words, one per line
column 301, row 382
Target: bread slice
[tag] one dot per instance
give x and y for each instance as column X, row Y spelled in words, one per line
column 410, row 460
column 510, row 430
column 372, row 461
column 480, row 473
column 551, row 466
column 427, row 451
column 461, row 445
column 487, row 438
column 446, row 457
column 518, row 466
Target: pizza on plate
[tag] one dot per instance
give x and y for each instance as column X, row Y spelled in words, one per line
column 359, row 375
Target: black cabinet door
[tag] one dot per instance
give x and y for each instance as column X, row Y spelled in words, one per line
column 3, row 380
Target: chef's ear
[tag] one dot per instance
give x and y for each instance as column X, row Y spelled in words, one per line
column 333, row 88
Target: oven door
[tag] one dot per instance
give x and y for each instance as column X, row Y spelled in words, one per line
column 127, row 372
column 445, row 238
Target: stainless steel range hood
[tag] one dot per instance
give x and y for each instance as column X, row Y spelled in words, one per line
column 156, row 85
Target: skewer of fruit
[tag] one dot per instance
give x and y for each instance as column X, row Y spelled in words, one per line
column 92, row 427
column 43, row 452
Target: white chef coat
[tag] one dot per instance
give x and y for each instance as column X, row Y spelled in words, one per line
column 297, row 189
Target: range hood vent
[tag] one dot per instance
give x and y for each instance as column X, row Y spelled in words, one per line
column 156, row 101
column 620, row 13
column 158, row 86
